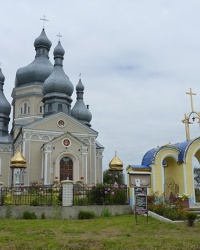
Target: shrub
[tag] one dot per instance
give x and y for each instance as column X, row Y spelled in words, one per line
column 103, row 194
column 86, row 215
column 27, row 215
column 43, row 216
column 106, row 213
column 8, row 212
column 191, row 217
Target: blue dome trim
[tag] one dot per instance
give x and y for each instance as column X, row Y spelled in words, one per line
column 148, row 157
column 182, row 146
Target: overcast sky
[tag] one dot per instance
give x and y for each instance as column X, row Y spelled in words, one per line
column 137, row 58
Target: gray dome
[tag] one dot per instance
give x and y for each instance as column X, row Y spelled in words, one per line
column 42, row 41
column 80, row 86
column 2, row 77
column 58, row 81
column 40, row 68
column 5, row 106
column 59, row 51
column 80, row 111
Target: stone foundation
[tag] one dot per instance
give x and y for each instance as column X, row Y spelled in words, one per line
column 59, row 212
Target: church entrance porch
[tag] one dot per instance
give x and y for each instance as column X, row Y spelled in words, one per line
column 66, row 169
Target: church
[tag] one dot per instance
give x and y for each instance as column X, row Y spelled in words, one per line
column 53, row 136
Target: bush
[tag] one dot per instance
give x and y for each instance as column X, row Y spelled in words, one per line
column 106, row 213
column 191, row 217
column 43, row 216
column 103, row 194
column 27, row 215
column 86, row 215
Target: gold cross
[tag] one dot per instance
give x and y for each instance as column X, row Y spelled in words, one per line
column 191, row 94
column 44, row 20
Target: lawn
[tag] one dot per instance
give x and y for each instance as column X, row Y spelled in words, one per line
column 119, row 232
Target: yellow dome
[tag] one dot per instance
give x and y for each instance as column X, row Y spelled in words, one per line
column 18, row 161
column 116, row 163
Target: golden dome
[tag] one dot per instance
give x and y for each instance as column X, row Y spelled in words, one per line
column 116, row 163
column 18, row 161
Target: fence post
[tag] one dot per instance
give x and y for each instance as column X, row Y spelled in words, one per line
column 67, row 193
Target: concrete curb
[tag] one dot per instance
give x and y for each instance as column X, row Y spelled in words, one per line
column 161, row 218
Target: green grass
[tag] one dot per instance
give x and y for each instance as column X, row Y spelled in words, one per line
column 120, row 232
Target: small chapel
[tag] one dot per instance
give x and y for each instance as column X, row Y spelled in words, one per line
column 51, row 135
column 171, row 166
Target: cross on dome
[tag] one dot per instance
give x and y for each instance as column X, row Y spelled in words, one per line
column 59, row 35
column 44, row 20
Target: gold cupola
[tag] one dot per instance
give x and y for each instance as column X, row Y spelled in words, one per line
column 18, row 161
column 116, row 164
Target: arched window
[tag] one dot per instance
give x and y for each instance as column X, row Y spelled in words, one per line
column 60, row 108
column 50, row 108
column 66, row 169
column 25, row 108
column 41, row 109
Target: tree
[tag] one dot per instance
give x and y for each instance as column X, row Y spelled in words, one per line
column 108, row 177
column 111, row 177
column 197, row 176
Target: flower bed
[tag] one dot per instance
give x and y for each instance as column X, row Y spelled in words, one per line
column 172, row 212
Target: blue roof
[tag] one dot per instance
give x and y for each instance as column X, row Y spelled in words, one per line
column 140, row 166
column 148, row 157
column 182, row 146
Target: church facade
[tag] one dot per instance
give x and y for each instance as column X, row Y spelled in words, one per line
column 54, row 136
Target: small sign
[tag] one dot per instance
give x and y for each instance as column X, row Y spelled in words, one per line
column 141, row 204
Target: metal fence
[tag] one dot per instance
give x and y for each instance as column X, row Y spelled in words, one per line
column 30, row 195
column 48, row 195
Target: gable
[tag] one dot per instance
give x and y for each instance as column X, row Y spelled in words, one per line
column 60, row 123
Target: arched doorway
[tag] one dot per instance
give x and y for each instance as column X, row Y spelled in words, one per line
column 66, row 169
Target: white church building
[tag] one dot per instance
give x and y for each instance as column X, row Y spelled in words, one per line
column 52, row 133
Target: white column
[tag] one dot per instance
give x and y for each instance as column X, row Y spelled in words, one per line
column 84, row 164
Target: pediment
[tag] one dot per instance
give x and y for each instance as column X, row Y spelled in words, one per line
column 62, row 123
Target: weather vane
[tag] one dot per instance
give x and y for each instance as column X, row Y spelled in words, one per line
column 44, row 20
column 59, row 35
column 80, row 76
column 192, row 115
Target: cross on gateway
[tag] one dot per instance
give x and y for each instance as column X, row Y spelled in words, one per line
column 191, row 94
column 44, row 20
